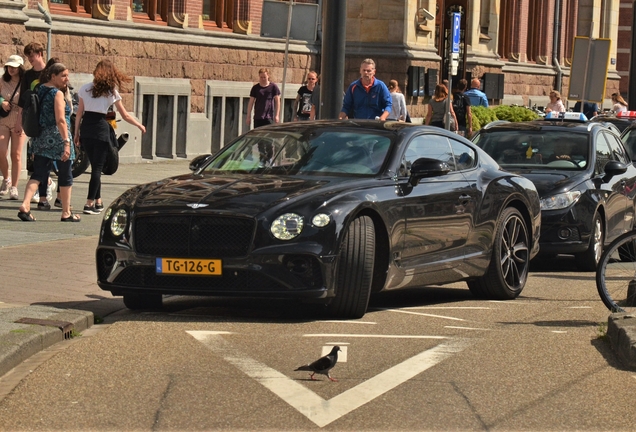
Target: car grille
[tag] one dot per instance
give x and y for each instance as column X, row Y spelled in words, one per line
column 235, row 281
column 186, row 236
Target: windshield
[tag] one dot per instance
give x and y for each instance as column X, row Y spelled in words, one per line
column 316, row 152
column 527, row 149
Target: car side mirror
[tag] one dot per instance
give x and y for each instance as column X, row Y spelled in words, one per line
column 613, row 168
column 426, row 167
column 199, row 161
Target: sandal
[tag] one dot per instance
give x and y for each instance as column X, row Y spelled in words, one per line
column 26, row 216
column 72, row 218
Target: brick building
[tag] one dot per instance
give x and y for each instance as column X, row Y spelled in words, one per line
column 194, row 61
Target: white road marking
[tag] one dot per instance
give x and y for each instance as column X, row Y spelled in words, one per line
column 424, row 314
column 374, row 336
column 449, row 307
column 315, row 408
column 349, row 322
column 559, row 331
column 342, row 355
column 579, row 307
column 465, row 328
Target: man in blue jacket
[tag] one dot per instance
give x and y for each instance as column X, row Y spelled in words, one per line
column 367, row 97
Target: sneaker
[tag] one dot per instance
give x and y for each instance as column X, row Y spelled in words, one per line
column 99, row 207
column 49, row 190
column 58, row 203
column 44, row 205
column 6, row 184
column 13, row 193
column 90, row 210
column 36, row 197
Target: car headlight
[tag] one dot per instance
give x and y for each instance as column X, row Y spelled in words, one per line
column 321, row 220
column 119, row 222
column 109, row 211
column 560, row 201
column 287, row 226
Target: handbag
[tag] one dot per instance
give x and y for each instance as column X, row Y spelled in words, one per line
column 4, row 113
column 453, row 126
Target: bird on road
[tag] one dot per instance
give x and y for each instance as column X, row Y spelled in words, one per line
column 323, row 365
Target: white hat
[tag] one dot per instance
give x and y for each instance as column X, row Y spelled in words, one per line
column 15, row 61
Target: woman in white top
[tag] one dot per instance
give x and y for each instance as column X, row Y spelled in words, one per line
column 398, row 110
column 619, row 103
column 91, row 126
column 556, row 104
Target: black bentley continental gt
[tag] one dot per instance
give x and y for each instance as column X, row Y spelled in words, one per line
column 327, row 212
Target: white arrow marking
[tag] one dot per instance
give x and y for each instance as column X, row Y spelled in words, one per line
column 315, row 408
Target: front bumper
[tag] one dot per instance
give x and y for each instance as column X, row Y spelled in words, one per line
column 566, row 231
column 272, row 275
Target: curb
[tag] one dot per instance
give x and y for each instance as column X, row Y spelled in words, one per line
column 621, row 330
column 18, row 341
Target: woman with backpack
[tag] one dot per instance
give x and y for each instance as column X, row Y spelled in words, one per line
column 53, row 144
column 91, row 126
column 461, row 106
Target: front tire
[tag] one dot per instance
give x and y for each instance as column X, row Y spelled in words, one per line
column 508, row 270
column 354, row 270
column 588, row 260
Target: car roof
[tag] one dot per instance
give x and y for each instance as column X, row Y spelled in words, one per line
column 539, row 125
column 321, row 124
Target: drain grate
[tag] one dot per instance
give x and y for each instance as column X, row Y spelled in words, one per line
column 65, row 326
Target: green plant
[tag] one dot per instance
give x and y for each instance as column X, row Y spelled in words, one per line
column 601, row 332
column 75, row 333
column 482, row 116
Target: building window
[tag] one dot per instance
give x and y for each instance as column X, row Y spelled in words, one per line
column 153, row 10
column 163, row 106
column 219, row 13
column 71, row 7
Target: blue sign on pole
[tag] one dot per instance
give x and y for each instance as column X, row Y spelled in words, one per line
column 457, row 19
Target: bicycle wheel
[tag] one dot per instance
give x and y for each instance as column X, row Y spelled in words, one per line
column 616, row 274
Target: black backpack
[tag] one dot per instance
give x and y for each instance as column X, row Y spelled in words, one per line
column 31, row 115
column 459, row 106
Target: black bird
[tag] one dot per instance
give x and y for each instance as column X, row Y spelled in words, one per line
column 323, row 365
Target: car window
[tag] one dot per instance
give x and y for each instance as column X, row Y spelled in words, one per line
column 629, row 139
column 603, row 154
column 430, row 146
column 463, row 154
column 617, row 148
column 322, row 152
column 553, row 149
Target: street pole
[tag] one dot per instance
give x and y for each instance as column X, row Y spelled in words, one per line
column 631, row 97
column 332, row 58
column 282, row 90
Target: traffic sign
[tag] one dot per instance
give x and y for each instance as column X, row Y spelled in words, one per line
column 588, row 74
column 457, row 19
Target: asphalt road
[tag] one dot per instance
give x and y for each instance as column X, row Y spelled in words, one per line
column 426, row 359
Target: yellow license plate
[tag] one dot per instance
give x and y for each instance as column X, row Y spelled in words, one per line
column 188, row 266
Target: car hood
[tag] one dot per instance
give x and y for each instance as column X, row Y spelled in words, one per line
column 551, row 182
column 237, row 194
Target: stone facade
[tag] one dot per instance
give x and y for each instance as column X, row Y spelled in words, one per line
column 213, row 63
